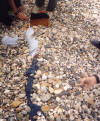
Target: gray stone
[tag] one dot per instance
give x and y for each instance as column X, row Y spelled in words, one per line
column 45, row 97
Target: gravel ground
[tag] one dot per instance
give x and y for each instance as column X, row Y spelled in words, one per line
column 46, row 86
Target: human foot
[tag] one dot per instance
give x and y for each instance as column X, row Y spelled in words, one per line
column 22, row 16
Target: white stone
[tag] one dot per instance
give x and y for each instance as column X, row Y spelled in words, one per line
column 57, row 85
column 58, row 99
column 6, row 91
column 58, row 91
column 66, row 87
column 44, row 77
column 21, row 95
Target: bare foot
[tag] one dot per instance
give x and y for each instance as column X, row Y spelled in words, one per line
column 22, row 16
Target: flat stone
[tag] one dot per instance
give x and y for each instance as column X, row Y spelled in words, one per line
column 21, row 95
column 58, row 91
column 16, row 103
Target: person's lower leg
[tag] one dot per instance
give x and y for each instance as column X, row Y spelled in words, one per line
column 39, row 3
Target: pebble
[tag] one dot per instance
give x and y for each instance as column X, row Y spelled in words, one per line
column 16, row 103
column 45, row 108
column 66, row 87
column 43, row 88
column 45, row 97
column 89, row 100
column 51, row 90
column 6, row 91
column 58, row 91
column 44, row 77
column 22, row 95
column 65, row 53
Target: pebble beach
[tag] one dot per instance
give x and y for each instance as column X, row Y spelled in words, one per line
column 45, row 88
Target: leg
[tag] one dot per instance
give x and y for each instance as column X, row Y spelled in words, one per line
column 51, row 5
column 4, row 17
column 39, row 3
column 3, row 8
column 17, row 3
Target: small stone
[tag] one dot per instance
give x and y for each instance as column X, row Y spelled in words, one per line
column 19, row 109
column 58, row 119
column 51, row 90
column 6, row 91
column 72, row 118
column 1, row 110
column 2, row 119
column 45, row 97
column 27, row 108
column 86, row 119
column 15, row 103
column 24, row 112
column 44, row 77
column 77, row 107
column 66, row 87
column 53, row 106
column 89, row 100
column 43, row 88
column 39, row 113
column 57, row 99
column 1, row 63
column 19, row 116
column 60, row 110
column 21, row 95
column 1, row 73
column 37, row 86
column 39, row 72
column 58, row 91
column 57, row 85
column 45, row 108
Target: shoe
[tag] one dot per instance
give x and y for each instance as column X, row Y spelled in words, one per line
column 96, row 43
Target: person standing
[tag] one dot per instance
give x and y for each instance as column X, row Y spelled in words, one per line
column 15, row 6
